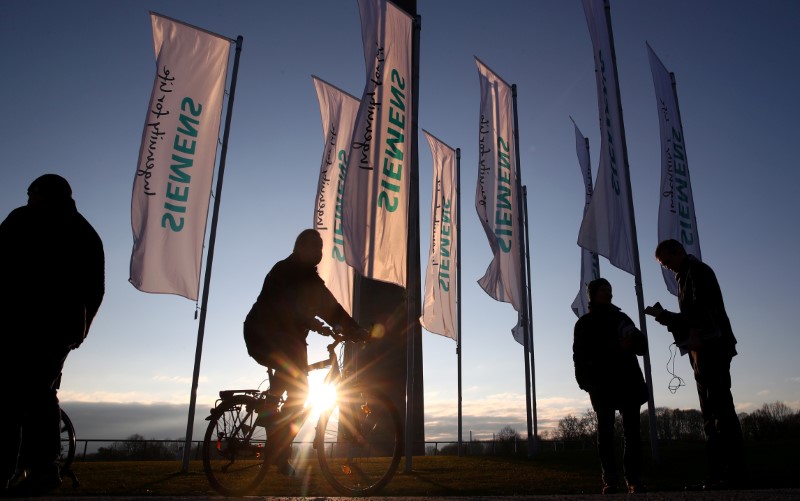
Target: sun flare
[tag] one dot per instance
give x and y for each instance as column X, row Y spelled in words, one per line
column 321, row 396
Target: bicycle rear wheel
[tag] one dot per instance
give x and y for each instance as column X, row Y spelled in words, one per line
column 362, row 443
column 234, row 453
column 68, row 442
column 68, row 445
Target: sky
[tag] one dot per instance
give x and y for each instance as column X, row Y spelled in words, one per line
column 76, row 83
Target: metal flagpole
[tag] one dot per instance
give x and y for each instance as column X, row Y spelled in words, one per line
column 187, row 448
column 636, row 264
column 523, row 286
column 458, row 288
column 412, row 272
column 530, row 321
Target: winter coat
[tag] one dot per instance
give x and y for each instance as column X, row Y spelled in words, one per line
column 292, row 296
column 701, row 307
column 52, row 274
column 606, row 343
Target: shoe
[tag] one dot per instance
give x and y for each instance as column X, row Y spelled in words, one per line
column 286, row 469
column 27, row 483
column 610, row 489
column 725, row 485
column 636, row 489
column 696, row 487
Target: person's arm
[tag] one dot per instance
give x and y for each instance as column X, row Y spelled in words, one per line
column 580, row 358
column 631, row 338
column 95, row 276
column 334, row 314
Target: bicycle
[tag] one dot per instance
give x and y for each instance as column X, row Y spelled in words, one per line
column 358, row 440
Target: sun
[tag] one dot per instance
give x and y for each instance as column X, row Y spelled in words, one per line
column 321, row 396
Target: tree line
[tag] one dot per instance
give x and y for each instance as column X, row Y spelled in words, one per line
column 772, row 421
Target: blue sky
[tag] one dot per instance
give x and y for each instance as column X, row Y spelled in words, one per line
column 76, row 82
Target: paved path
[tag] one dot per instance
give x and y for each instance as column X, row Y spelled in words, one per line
column 748, row 495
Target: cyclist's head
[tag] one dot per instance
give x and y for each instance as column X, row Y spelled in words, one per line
column 308, row 247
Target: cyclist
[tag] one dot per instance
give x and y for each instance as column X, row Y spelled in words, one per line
column 53, row 281
column 275, row 332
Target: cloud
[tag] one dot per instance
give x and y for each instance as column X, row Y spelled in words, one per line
column 184, row 380
column 104, row 422
column 486, row 415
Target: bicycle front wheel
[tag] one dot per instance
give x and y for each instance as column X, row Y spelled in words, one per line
column 68, row 442
column 362, row 443
column 234, row 449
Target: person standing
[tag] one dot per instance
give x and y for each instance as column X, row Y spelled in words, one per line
column 606, row 343
column 52, row 274
column 702, row 328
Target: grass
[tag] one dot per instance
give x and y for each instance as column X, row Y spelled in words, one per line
column 570, row 472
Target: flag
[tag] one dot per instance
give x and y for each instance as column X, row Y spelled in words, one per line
column 338, row 110
column 172, row 185
column 496, row 191
column 606, row 227
column 440, row 308
column 376, row 195
column 676, row 216
column 590, row 264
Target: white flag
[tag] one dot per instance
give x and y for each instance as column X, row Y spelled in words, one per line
column 338, row 110
column 676, row 216
column 171, row 189
column 375, row 208
column 439, row 308
column 606, row 227
column 496, row 191
column 590, row 264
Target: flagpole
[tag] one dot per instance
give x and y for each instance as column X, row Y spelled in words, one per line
column 635, row 248
column 187, row 448
column 412, row 272
column 530, row 321
column 523, row 285
column 458, row 288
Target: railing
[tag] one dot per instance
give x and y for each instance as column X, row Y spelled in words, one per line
column 152, row 449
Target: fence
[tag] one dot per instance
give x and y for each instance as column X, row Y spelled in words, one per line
column 152, row 449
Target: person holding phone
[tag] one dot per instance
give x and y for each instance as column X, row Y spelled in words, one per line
column 703, row 330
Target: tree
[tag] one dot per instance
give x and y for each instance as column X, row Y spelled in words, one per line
column 506, row 440
column 508, row 434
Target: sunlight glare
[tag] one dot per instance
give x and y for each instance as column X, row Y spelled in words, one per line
column 321, row 396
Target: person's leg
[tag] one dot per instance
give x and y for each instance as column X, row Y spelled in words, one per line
column 11, row 424
column 714, row 453
column 41, row 427
column 289, row 377
column 632, row 455
column 730, row 444
column 12, row 377
column 605, row 443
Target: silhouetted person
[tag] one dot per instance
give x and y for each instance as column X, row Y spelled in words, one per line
column 275, row 332
column 52, row 274
column 703, row 329
column 605, row 347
